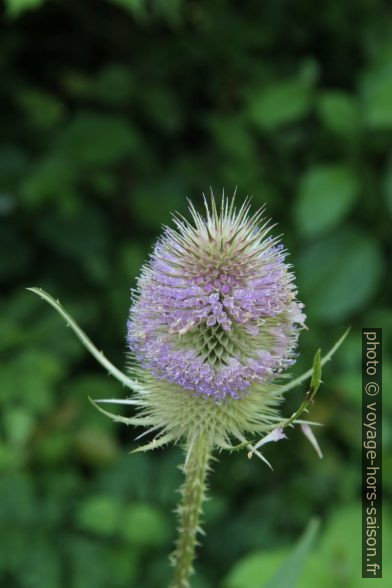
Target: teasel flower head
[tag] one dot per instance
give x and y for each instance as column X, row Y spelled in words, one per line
column 213, row 328
column 214, row 325
column 215, row 311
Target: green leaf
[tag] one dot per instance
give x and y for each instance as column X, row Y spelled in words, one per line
column 377, row 96
column 338, row 275
column 50, row 180
column 99, row 514
column 326, row 194
column 114, row 86
column 290, row 571
column 42, row 110
column 30, row 377
column 280, row 103
column 339, row 112
column 96, row 447
column 138, row 8
column 169, row 10
column 253, row 570
column 93, row 139
column 378, row 104
column 18, row 426
column 337, row 560
column 145, row 525
column 16, row 7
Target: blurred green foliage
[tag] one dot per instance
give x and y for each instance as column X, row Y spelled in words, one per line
column 113, row 113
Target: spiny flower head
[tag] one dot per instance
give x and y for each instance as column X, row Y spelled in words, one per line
column 215, row 311
column 214, row 323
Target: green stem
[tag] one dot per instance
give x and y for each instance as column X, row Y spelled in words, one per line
column 190, row 508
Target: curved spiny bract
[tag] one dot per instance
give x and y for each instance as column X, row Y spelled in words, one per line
column 178, row 415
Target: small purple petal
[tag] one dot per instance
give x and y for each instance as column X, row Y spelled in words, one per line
column 275, row 435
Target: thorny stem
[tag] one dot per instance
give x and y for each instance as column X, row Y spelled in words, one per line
column 190, row 508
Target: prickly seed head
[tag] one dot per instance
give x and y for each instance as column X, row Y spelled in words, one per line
column 215, row 311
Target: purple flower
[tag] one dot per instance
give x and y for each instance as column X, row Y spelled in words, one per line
column 215, row 310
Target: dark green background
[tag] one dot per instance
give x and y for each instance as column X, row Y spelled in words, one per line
column 112, row 114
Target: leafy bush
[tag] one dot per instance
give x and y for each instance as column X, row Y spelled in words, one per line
column 113, row 113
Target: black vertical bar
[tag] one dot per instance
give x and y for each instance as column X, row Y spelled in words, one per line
column 371, row 453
